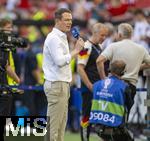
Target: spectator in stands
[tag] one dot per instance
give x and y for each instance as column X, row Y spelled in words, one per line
column 111, row 36
column 99, row 11
column 119, row 11
column 141, row 28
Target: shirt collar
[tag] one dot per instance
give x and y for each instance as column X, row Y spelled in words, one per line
column 59, row 32
column 98, row 45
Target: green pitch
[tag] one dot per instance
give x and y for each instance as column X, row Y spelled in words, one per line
column 68, row 137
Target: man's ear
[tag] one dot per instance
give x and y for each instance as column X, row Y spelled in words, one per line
column 57, row 20
column 119, row 36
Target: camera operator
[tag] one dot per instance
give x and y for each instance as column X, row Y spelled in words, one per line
column 6, row 25
column 5, row 69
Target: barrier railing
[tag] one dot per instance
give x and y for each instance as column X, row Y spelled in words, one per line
column 40, row 88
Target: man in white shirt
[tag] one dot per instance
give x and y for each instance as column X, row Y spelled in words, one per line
column 131, row 53
column 57, row 73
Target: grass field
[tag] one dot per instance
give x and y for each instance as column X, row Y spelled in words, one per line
column 68, row 137
column 76, row 137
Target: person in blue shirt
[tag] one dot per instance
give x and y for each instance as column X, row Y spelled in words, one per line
column 109, row 105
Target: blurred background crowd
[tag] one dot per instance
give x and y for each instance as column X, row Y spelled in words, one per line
column 33, row 19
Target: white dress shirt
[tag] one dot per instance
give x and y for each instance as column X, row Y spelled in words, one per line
column 56, row 57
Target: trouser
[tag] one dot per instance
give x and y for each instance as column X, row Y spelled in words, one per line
column 5, row 104
column 57, row 94
column 5, row 109
column 130, row 97
column 87, row 97
column 2, row 128
column 85, row 133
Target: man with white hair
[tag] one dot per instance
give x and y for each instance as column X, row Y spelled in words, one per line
column 131, row 53
column 88, row 72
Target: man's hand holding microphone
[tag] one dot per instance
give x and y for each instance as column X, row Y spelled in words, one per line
column 79, row 44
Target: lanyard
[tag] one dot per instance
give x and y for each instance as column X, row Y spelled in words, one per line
column 95, row 47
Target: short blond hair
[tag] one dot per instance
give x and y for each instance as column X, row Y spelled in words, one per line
column 97, row 27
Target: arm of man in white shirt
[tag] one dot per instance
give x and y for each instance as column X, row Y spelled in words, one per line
column 56, row 50
column 100, row 66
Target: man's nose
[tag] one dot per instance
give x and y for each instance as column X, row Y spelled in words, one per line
column 70, row 22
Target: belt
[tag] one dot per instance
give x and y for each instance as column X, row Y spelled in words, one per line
column 56, row 81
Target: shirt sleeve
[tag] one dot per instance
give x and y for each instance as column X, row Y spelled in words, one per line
column 84, row 55
column 108, row 52
column 146, row 57
column 59, row 52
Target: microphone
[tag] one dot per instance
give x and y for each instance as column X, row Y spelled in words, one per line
column 76, row 34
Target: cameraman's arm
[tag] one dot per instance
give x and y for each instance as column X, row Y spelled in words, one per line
column 12, row 74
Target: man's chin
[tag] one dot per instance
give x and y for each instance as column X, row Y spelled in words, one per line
column 68, row 30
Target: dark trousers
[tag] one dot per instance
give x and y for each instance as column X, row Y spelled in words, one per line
column 87, row 97
column 2, row 128
column 5, row 104
column 85, row 133
column 130, row 97
column 5, row 109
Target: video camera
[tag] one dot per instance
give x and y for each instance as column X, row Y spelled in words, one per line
column 8, row 41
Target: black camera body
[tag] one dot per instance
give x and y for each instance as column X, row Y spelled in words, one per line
column 8, row 41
